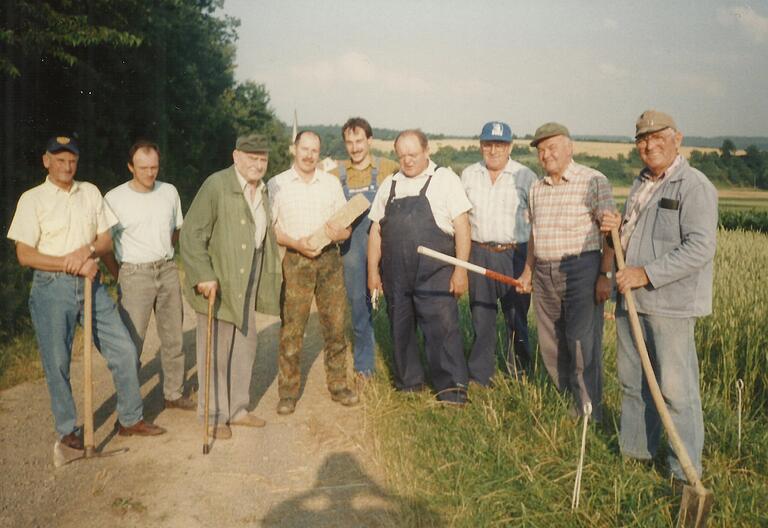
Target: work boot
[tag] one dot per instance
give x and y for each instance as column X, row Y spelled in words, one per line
column 248, row 420
column 220, row 432
column 73, row 441
column 286, row 406
column 345, row 397
column 181, row 403
column 140, row 428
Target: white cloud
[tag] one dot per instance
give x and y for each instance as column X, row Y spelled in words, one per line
column 611, row 71
column 610, row 23
column 747, row 19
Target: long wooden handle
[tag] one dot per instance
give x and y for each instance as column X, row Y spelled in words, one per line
column 658, row 399
column 506, row 279
column 208, row 353
column 88, row 367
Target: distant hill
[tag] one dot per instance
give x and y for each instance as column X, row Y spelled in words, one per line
column 741, row 142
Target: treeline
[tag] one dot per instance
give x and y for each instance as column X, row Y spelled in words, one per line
column 333, row 144
column 115, row 70
column 112, row 71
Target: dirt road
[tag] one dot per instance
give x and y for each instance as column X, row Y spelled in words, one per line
column 310, row 469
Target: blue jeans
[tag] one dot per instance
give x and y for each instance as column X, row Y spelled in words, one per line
column 56, row 306
column 672, row 350
column 355, row 256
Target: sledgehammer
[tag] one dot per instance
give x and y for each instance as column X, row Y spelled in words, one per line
column 697, row 500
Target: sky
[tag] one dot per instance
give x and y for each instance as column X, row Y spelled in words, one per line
column 449, row 66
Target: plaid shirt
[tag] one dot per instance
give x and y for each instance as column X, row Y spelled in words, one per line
column 565, row 217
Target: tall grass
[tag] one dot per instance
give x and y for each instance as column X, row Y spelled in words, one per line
column 509, row 458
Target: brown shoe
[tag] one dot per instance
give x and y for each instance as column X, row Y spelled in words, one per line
column 249, row 420
column 286, row 406
column 72, row 440
column 345, row 397
column 181, row 403
column 140, row 428
column 220, row 432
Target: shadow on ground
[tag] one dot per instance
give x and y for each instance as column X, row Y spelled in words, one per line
column 344, row 495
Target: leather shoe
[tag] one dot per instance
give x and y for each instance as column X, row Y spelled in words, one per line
column 345, row 397
column 286, row 406
column 140, row 428
column 182, row 403
column 249, row 420
column 220, row 432
column 72, row 440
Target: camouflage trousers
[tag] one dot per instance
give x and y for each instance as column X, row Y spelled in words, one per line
column 303, row 279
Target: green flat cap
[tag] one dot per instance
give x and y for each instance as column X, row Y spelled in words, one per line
column 653, row 121
column 548, row 130
column 252, row 143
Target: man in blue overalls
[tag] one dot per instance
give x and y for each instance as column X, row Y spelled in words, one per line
column 360, row 174
column 421, row 205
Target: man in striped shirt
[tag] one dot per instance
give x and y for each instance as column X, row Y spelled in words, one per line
column 498, row 189
column 566, row 269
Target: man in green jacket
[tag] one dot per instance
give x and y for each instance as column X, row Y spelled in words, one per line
column 229, row 250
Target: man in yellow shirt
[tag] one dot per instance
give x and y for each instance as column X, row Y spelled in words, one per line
column 61, row 228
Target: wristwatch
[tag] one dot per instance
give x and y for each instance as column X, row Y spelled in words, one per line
column 607, row 274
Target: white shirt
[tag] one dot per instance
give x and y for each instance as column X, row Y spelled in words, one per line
column 146, row 222
column 499, row 209
column 256, row 205
column 445, row 195
column 300, row 208
column 57, row 222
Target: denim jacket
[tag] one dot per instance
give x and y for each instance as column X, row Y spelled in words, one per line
column 675, row 241
column 217, row 243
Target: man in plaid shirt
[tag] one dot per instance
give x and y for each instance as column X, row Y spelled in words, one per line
column 565, row 266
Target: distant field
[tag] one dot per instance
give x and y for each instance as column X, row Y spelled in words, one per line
column 591, row 148
column 728, row 198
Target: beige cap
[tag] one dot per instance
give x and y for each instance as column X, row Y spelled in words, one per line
column 252, row 143
column 548, row 130
column 653, row 121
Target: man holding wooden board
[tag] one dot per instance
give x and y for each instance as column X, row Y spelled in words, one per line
column 422, row 204
column 304, row 198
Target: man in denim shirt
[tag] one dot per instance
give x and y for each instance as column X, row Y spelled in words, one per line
column 668, row 234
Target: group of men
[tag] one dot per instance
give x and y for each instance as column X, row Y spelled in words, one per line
column 549, row 232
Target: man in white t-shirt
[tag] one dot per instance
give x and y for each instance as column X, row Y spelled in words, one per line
column 422, row 204
column 149, row 218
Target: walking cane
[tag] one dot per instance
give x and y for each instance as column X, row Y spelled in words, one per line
column 88, row 369
column 697, row 500
column 208, row 346
column 494, row 275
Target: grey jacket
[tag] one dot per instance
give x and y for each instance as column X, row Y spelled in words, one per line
column 675, row 242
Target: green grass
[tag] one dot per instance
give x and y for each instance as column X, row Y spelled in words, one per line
column 509, row 458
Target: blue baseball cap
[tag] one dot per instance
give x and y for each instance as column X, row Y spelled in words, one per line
column 59, row 143
column 496, row 131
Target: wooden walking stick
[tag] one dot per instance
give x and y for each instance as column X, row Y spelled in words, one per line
column 88, row 368
column 697, row 500
column 208, row 346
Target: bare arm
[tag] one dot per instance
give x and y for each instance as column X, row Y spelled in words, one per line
column 175, row 237
column 374, row 258
column 459, row 281
column 526, row 277
column 113, row 266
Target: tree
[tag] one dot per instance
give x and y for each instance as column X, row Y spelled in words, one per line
column 727, row 149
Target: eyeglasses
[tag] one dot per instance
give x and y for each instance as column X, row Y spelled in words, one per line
column 492, row 145
column 657, row 137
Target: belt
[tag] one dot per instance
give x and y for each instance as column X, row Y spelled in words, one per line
column 329, row 247
column 495, row 246
column 147, row 265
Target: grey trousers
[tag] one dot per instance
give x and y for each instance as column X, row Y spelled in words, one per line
column 232, row 356
column 155, row 286
column 570, row 326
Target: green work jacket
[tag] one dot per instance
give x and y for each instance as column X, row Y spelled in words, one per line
column 217, row 243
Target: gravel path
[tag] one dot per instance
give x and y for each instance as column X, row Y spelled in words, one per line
column 310, row 469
